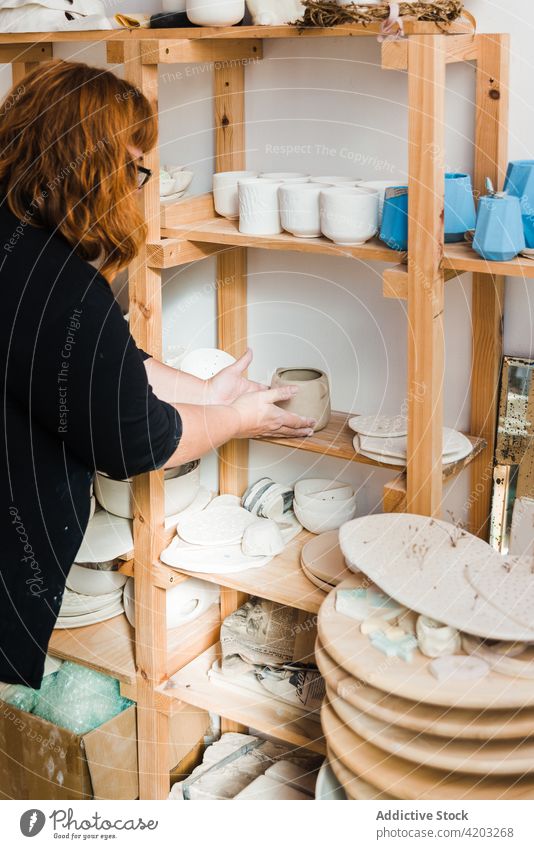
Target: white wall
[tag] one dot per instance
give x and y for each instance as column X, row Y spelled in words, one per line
column 332, row 96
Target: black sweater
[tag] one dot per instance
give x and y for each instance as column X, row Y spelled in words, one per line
column 75, row 398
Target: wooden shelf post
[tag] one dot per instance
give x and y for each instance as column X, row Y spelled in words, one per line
column 491, row 153
column 426, row 90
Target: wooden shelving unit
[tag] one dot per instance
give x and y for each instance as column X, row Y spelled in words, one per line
column 160, row 670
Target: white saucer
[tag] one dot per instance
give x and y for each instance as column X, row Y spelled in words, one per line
column 215, row 560
column 382, row 426
column 220, row 526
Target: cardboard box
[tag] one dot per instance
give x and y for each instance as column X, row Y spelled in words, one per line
column 39, row 760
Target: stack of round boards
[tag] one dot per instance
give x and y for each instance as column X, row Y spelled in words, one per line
column 395, row 731
column 322, row 561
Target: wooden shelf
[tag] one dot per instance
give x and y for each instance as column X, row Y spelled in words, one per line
column 281, row 580
column 462, row 257
column 192, row 685
column 109, row 647
column 351, row 30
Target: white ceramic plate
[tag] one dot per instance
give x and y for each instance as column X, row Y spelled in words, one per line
column 383, row 426
column 106, row 538
column 88, row 618
column 221, row 560
column 218, row 526
column 328, row 787
column 202, row 499
column 94, row 582
column 205, row 362
column 507, row 583
column 323, row 558
column 421, row 563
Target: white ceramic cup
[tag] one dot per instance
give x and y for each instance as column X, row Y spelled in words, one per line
column 335, row 181
column 380, row 186
column 259, row 213
column 299, row 209
column 225, row 193
column 215, row 13
column 285, row 176
column 349, row 216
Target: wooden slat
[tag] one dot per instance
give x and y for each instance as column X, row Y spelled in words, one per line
column 426, row 95
column 395, row 281
column 245, row 710
column 458, row 48
column 462, row 257
column 170, row 253
column 26, row 54
column 491, row 154
column 187, row 210
column 200, row 50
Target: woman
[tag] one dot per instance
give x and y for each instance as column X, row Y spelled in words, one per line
column 76, row 395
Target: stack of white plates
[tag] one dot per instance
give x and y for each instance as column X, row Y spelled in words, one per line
column 78, row 610
column 385, row 439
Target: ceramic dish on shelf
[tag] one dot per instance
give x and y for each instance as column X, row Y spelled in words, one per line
column 181, row 488
column 423, row 563
column 93, row 582
column 206, row 362
column 106, row 538
column 75, row 604
column 184, row 602
column 200, row 502
column 322, row 585
column 379, row 425
column 215, row 526
column 172, row 198
column 328, row 516
column 323, row 558
column 308, row 491
column 217, row 560
column 63, row 623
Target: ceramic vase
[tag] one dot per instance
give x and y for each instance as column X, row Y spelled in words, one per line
column 349, row 216
column 394, row 229
column 299, row 209
column 313, row 398
column 520, row 183
column 215, row 13
column 499, row 228
column 225, row 192
column 460, row 214
column 258, row 207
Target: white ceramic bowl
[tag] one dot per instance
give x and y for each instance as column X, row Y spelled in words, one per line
column 206, row 362
column 181, row 180
column 215, row 13
column 93, row 581
column 184, row 602
column 285, row 176
column 330, row 516
column 299, row 209
column 166, row 184
column 225, row 191
column 259, row 213
column 323, row 489
column 380, row 186
column 335, row 181
column 181, row 488
column 349, row 216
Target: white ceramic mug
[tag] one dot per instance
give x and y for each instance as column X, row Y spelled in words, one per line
column 299, row 209
column 380, row 186
column 215, row 13
column 335, row 181
column 349, row 216
column 285, row 176
column 258, row 207
column 225, row 193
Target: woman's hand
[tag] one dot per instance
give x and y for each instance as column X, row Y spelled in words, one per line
column 259, row 415
column 230, row 383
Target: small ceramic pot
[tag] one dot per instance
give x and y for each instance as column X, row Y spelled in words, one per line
column 181, row 487
column 313, row 398
column 225, row 193
column 349, row 216
column 299, row 209
column 520, row 183
column 259, row 214
column 380, row 186
column 310, row 491
column 394, row 229
column 262, row 538
column 285, row 176
column 268, row 499
column 328, row 517
column 499, row 232
column 335, row 181
column 215, row 13
column 460, row 214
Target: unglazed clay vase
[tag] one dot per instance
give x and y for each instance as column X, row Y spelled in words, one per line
column 225, row 192
column 349, row 216
column 258, row 207
column 299, row 209
column 215, row 13
column 313, row 398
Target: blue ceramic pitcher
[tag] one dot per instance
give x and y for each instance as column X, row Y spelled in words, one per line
column 499, row 231
column 394, row 229
column 460, row 214
column 520, row 183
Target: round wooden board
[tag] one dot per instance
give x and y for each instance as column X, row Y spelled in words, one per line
column 322, row 557
column 402, row 779
column 326, row 588
column 514, row 757
column 420, row 717
column 347, row 646
column 355, row 788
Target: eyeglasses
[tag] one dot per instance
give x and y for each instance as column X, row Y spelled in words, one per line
column 143, row 175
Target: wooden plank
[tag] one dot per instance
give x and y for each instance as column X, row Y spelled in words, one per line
column 272, row 717
column 426, row 95
column 395, row 281
column 491, row 155
column 24, row 55
column 458, row 48
column 286, row 31
column 221, row 231
column 187, row 210
column 462, row 257
column 170, row 253
column 181, row 50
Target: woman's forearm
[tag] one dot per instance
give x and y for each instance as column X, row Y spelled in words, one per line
column 204, row 428
column 174, row 386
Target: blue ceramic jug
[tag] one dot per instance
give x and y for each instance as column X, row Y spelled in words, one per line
column 499, row 231
column 520, row 183
column 394, row 229
column 460, row 214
